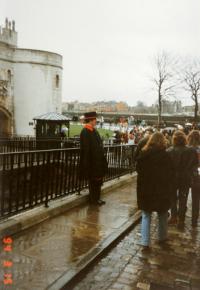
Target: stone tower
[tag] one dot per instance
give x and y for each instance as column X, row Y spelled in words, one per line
column 30, row 83
column 8, row 35
column 8, row 43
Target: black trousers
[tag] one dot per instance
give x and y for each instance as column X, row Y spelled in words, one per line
column 94, row 190
column 179, row 202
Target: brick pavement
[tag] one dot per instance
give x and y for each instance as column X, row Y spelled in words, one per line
column 126, row 267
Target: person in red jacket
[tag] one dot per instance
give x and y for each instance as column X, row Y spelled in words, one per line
column 93, row 163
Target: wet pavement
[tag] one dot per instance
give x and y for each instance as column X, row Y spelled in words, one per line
column 42, row 253
column 175, row 265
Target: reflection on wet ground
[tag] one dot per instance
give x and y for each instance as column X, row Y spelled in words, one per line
column 42, row 253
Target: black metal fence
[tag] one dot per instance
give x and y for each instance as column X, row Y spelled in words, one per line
column 28, row 179
column 18, row 144
column 29, row 143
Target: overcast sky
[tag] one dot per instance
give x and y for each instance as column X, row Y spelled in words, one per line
column 107, row 45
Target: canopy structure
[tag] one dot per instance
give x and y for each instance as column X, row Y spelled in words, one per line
column 52, row 125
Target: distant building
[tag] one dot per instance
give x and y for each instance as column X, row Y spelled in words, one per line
column 188, row 109
column 100, row 106
column 171, row 107
column 30, row 83
column 122, row 107
column 65, row 107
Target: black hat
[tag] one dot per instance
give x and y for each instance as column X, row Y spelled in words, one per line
column 90, row 115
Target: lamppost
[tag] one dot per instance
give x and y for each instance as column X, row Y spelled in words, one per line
column 102, row 120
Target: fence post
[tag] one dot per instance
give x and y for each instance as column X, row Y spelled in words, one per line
column 47, row 179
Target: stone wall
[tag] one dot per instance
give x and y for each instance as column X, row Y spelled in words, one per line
column 38, row 86
column 30, row 82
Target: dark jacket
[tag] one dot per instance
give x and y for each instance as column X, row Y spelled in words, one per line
column 153, row 182
column 185, row 161
column 93, row 162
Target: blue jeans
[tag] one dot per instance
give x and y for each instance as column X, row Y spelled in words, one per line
column 146, row 225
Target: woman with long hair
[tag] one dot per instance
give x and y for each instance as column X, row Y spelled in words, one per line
column 153, row 186
column 184, row 160
column 194, row 141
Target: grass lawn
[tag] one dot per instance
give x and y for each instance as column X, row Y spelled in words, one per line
column 76, row 129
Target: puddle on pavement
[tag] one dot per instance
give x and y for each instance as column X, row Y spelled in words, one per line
column 53, row 246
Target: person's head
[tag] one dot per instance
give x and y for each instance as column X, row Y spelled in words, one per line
column 179, row 138
column 166, row 135
column 124, row 137
column 131, row 134
column 156, row 141
column 90, row 118
column 194, row 138
column 81, row 119
column 148, row 132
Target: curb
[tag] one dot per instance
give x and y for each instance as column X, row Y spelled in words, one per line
column 67, row 279
column 29, row 218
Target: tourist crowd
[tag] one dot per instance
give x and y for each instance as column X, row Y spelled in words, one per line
column 167, row 163
column 167, row 167
column 136, row 133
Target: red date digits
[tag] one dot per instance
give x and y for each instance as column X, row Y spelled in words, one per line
column 7, row 263
column 7, row 240
column 7, row 279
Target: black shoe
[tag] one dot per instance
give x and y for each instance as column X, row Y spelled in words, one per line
column 146, row 249
column 100, row 202
column 163, row 242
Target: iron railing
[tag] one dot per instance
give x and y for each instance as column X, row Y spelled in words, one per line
column 18, row 144
column 30, row 178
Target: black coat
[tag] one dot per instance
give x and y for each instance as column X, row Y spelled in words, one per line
column 185, row 162
column 153, row 182
column 93, row 162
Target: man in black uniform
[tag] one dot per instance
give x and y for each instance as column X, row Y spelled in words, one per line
column 93, row 163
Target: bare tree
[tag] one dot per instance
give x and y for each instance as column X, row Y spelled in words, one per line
column 163, row 80
column 191, row 80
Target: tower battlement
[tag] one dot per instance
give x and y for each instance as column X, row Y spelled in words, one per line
column 8, row 35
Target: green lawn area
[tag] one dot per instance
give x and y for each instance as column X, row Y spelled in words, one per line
column 76, row 129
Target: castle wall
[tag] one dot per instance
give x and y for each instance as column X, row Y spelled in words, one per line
column 36, row 91
column 33, row 79
column 7, row 86
column 6, row 75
